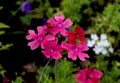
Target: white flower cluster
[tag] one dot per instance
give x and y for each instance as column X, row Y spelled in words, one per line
column 100, row 45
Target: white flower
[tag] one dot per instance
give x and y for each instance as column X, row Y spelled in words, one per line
column 106, row 43
column 111, row 50
column 103, row 37
column 97, row 49
column 104, row 51
column 100, row 43
column 94, row 37
column 103, row 43
column 91, row 43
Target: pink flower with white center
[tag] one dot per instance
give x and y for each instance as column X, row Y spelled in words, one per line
column 59, row 24
column 40, row 38
column 76, row 50
column 89, row 75
column 52, row 49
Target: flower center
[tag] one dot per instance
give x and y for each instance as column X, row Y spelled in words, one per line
column 77, row 36
column 59, row 25
column 49, row 25
column 51, row 50
column 75, row 49
column 40, row 38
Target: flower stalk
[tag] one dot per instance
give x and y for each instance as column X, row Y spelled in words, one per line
column 40, row 78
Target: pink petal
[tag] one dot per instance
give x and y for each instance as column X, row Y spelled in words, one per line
column 49, row 37
column 41, row 30
column 31, row 35
column 82, row 56
column 56, row 55
column 46, row 53
column 51, row 21
column 67, row 23
column 82, row 47
column 59, row 18
column 45, row 42
column 63, row 32
column 67, row 46
column 50, row 44
column 81, row 76
column 54, row 30
column 59, row 48
column 72, row 55
column 34, row 44
column 96, row 73
column 88, row 81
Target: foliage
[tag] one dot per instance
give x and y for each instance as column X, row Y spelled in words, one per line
column 18, row 80
column 65, row 71
column 96, row 16
column 73, row 12
column 3, row 26
column 5, row 47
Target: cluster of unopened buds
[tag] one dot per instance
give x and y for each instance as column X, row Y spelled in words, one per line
column 100, row 45
column 56, row 37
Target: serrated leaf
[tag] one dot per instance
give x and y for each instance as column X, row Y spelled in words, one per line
column 2, row 25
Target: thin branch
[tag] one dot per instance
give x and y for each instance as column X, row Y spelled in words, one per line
column 44, row 70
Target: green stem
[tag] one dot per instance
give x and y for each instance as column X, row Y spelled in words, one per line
column 40, row 78
column 21, row 6
column 56, row 75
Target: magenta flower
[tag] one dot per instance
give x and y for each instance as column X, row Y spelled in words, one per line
column 89, row 75
column 40, row 38
column 6, row 80
column 59, row 25
column 76, row 50
column 52, row 49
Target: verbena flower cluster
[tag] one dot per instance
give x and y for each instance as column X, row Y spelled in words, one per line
column 89, row 75
column 100, row 45
column 55, row 37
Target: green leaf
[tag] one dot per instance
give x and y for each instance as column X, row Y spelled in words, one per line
column 2, row 25
column 26, row 19
column 1, row 7
column 2, row 32
column 18, row 80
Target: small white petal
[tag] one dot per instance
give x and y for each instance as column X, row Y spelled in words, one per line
column 103, row 36
column 94, row 37
column 91, row 43
column 104, row 51
column 106, row 43
column 97, row 49
column 111, row 50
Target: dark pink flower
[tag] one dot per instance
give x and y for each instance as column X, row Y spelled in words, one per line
column 58, row 24
column 6, row 80
column 89, row 75
column 38, row 39
column 76, row 50
column 77, row 35
column 52, row 49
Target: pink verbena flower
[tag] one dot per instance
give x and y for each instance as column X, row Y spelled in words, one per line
column 38, row 39
column 76, row 50
column 89, row 75
column 59, row 25
column 52, row 49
